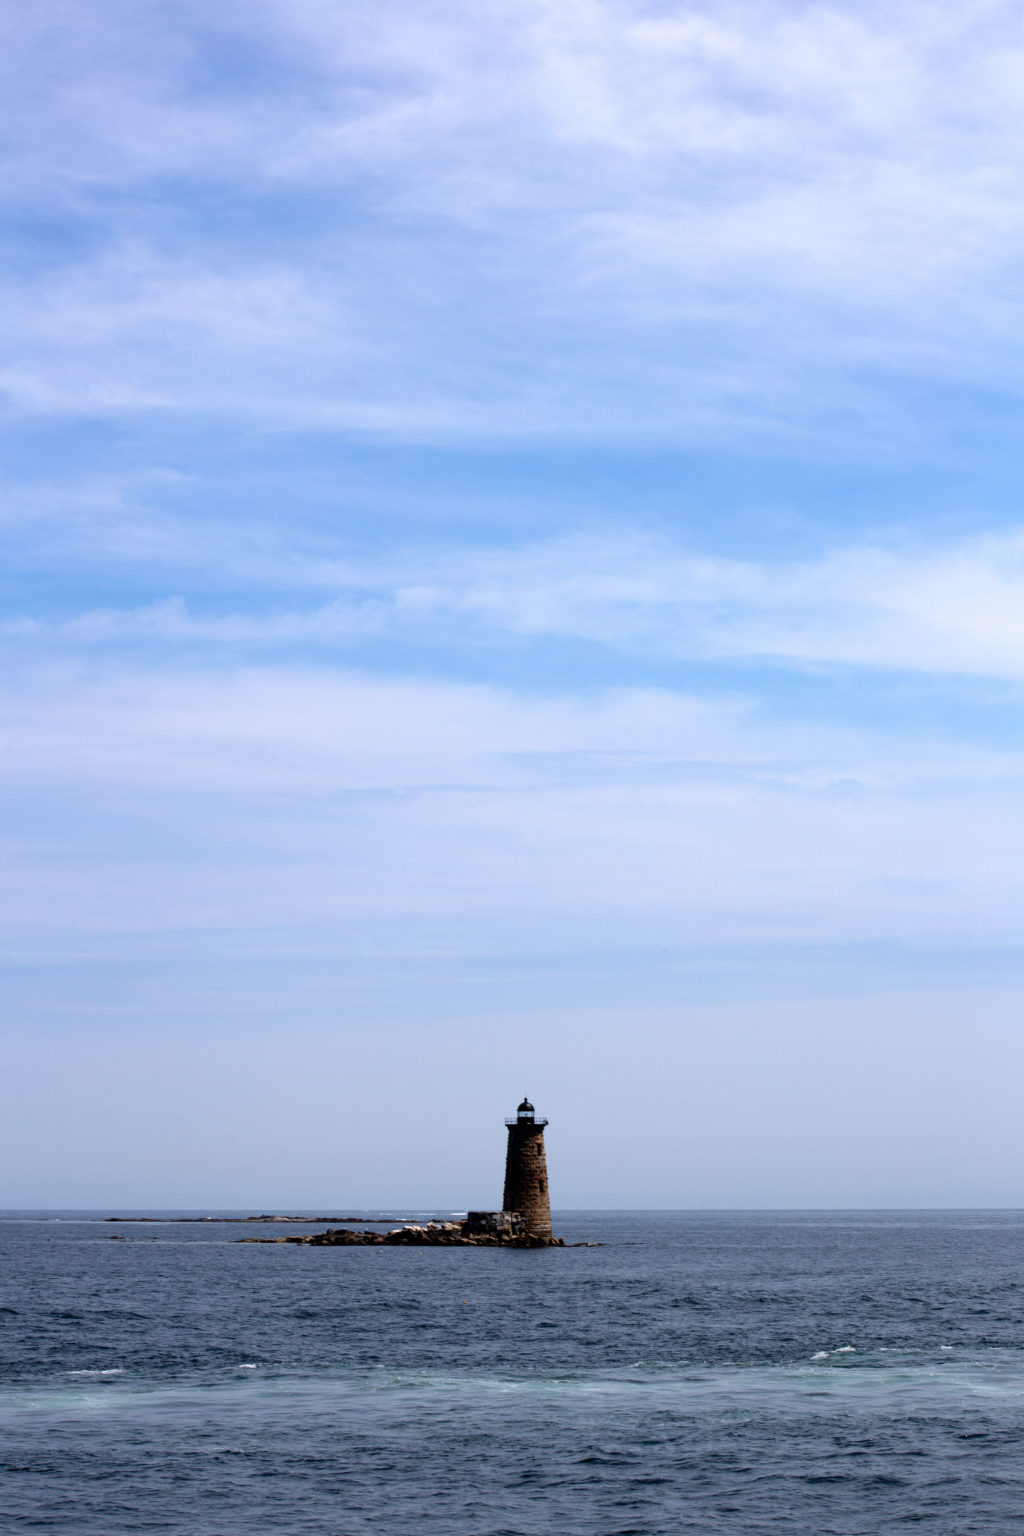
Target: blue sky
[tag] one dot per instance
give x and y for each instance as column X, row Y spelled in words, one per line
column 513, row 578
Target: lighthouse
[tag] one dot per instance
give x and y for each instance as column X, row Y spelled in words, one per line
column 526, row 1172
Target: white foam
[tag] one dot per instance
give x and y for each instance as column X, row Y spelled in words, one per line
column 821, row 1355
column 115, row 1371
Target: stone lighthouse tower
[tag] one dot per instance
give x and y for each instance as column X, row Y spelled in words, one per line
column 526, row 1171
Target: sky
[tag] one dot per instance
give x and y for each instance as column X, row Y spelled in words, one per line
column 513, row 580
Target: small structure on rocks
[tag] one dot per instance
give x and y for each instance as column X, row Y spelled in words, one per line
column 524, row 1221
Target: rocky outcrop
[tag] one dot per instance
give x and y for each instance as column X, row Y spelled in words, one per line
column 474, row 1232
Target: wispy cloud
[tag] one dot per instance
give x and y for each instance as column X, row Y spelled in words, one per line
column 207, row 800
column 955, row 609
column 518, row 220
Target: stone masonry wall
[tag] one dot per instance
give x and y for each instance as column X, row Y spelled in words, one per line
column 526, row 1177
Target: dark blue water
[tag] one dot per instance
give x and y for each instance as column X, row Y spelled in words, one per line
column 798, row 1373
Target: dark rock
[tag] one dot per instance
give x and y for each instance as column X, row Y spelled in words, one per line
column 506, row 1230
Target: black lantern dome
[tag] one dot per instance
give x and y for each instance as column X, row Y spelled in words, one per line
column 525, row 1111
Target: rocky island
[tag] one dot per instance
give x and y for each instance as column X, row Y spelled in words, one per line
column 494, row 1229
column 523, row 1222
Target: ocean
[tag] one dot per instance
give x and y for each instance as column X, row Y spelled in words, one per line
column 853, row 1373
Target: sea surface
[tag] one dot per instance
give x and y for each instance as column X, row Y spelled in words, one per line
column 807, row 1373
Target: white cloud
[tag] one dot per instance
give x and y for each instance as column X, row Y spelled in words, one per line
column 929, row 608
column 518, row 218
column 292, row 798
column 956, row 609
